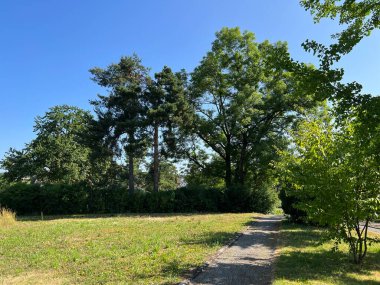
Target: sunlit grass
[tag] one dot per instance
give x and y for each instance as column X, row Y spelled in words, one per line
column 116, row 250
column 304, row 259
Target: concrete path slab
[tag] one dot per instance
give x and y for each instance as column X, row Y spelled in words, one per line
column 248, row 261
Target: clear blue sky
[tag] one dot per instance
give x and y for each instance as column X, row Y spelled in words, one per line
column 48, row 46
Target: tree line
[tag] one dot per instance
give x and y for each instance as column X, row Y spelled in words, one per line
column 229, row 115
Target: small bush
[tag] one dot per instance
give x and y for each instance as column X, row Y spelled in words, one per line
column 237, row 199
column 7, row 217
column 198, row 199
column 246, row 199
column 264, row 199
column 288, row 203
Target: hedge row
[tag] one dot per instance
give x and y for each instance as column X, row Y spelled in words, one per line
column 59, row 199
column 288, row 204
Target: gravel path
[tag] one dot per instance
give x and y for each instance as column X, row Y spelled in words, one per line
column 247, row 261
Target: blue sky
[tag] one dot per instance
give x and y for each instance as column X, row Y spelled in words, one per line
column 48, row 46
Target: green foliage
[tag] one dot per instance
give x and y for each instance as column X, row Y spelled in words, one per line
column 244, row 96
column 58, row 154
column 49, row 199
column 59, row 199
column 334, row 174
column 3, row 182
column 359, row 17
column 169, row 176
column 196, row 199
column 248, row 199
column 289, row 205
column 167, row 109
column 121, row 114
column 206, row 174
column 266, row 198
column 16, row 164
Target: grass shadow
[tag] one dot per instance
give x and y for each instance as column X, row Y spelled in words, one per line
column 210, row 239
column 319, row 264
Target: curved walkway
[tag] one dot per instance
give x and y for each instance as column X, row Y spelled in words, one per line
column 249, row 260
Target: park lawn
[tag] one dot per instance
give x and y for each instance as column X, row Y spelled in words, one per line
column 303, row 259
column 156, row 249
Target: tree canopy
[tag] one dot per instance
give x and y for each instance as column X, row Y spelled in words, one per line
column 333, row 170
column 244, row 97
column 58, row 153
column 121, row 113
column 359, row 17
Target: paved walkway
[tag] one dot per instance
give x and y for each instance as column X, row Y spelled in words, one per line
column 249, row 260
column 374, row 227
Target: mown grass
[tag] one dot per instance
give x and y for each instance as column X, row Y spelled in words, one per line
column 304, row 259
column 156, row 249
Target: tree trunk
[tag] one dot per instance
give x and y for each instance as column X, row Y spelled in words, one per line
column 228, row 179
column 156, row 162
column 359, row 247
column 363, row 242
column 131, row 178
column 240, row 167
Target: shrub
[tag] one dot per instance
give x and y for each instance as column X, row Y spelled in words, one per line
column 264, row 199
column 246, row 199
column 200, row 199
column 237, row 199
column 288, row 203
column 22, row 198
column 64, row 199
column 160, row 202
column 137, row 202
column 60, row 199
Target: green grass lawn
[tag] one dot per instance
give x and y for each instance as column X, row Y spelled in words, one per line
column 156, row 249
column 303, row 260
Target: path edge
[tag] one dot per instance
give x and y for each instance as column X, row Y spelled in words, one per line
column 193, row 273
column 277, row 250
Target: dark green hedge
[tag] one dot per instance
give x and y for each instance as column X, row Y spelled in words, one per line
column 288, row 203
column 58, row 199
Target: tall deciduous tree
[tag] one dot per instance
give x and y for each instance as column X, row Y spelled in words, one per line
column 58, row 153
column 122, row 114
column 243, row 96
